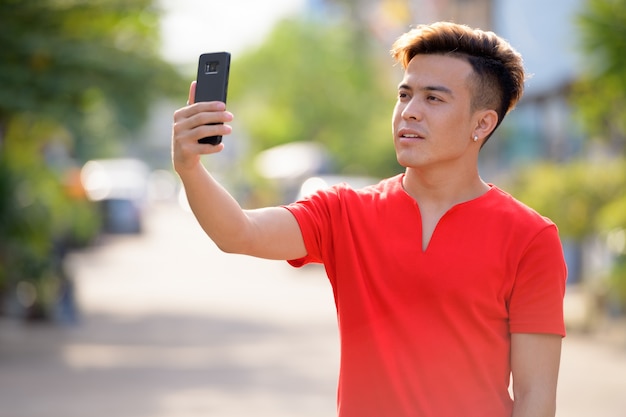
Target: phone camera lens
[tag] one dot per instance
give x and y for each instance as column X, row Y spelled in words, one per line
column 211, row 67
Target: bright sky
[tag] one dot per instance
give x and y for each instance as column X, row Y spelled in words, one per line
column 192, row 27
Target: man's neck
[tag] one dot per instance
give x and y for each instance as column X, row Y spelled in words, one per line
column 441, row 189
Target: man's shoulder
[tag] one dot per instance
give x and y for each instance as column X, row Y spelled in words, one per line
column 515, row 210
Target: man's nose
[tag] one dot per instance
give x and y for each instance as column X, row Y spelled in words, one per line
column 412, row 110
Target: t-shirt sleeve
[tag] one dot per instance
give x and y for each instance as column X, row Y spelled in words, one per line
column 311, row 214
column 536, row 304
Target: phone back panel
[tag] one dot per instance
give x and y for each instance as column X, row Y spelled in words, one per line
column 212, row 83
column 212, row 80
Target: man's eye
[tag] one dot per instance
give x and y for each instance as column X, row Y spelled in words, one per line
column 402, row 95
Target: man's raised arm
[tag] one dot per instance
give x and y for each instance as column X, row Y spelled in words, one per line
column 271, row 233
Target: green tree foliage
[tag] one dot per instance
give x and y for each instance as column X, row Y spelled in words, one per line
column 600, row 99
column 600, row 95
column 74, row 74
column 328, row 83
column 585, row 199
column 81, row 62
column 582, row 198
column 40, row 216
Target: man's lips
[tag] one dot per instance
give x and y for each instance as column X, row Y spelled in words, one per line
column 410, row 134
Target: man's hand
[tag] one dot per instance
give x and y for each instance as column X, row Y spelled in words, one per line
column 193, row 122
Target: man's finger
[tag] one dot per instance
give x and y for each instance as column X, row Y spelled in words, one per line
column 192, row 93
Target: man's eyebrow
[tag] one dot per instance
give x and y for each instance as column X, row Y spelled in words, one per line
column 439, row 88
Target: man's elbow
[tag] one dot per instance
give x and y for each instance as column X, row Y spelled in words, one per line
column 233, row 246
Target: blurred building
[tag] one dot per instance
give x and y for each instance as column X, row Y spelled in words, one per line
column 390, row 18
column 543, row 124
column 475, row 13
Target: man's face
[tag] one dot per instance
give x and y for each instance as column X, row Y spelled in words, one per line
column 432, row 119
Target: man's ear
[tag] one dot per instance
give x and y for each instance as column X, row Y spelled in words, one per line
column 486, row 122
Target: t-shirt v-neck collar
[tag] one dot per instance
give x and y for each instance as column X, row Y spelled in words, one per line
column 408, row 198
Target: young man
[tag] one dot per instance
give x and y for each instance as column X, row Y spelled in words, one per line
column 446, row 287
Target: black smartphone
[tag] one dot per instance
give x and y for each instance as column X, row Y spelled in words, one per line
column 212, row 82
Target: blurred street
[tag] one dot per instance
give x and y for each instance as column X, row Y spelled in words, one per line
column 171, row 327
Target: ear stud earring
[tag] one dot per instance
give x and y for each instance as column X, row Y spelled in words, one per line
column 475, row 138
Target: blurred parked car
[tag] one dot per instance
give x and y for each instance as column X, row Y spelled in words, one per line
column 120, row 186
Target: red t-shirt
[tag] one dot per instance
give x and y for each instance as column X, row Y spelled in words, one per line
column 427, row 333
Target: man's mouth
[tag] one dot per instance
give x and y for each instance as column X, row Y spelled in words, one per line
column 410, row 134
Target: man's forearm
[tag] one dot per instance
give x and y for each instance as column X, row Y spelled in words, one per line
column 219, row 214
column 538, row 407
column 535, row 402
